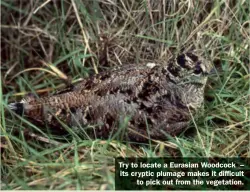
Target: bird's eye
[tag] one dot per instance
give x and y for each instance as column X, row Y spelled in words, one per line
column 197, row 69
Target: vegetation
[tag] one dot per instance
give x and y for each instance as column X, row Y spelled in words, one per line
column 44, row 43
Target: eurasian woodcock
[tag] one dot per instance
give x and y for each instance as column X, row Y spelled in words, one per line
column 137, row 101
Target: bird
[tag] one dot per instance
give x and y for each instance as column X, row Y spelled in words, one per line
column 135, row 102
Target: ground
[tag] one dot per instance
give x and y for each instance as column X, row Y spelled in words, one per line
column 47, row 43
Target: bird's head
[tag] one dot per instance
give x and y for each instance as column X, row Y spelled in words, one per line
column 189, row 68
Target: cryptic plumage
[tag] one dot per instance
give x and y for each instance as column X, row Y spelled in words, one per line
column 151, row 100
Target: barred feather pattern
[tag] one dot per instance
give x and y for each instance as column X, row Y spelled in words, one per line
column 157, row 99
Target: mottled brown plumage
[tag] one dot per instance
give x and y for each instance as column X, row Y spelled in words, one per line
column 151, row 100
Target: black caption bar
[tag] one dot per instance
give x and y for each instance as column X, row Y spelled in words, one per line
column 182, row 173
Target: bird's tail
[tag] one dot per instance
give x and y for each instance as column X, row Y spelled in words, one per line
column 17, row 107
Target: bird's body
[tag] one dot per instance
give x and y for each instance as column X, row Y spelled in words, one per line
column 151, row 100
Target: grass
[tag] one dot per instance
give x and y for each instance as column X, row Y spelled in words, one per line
column 42, row 45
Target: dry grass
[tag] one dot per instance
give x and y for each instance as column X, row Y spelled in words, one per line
column 45, row 43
